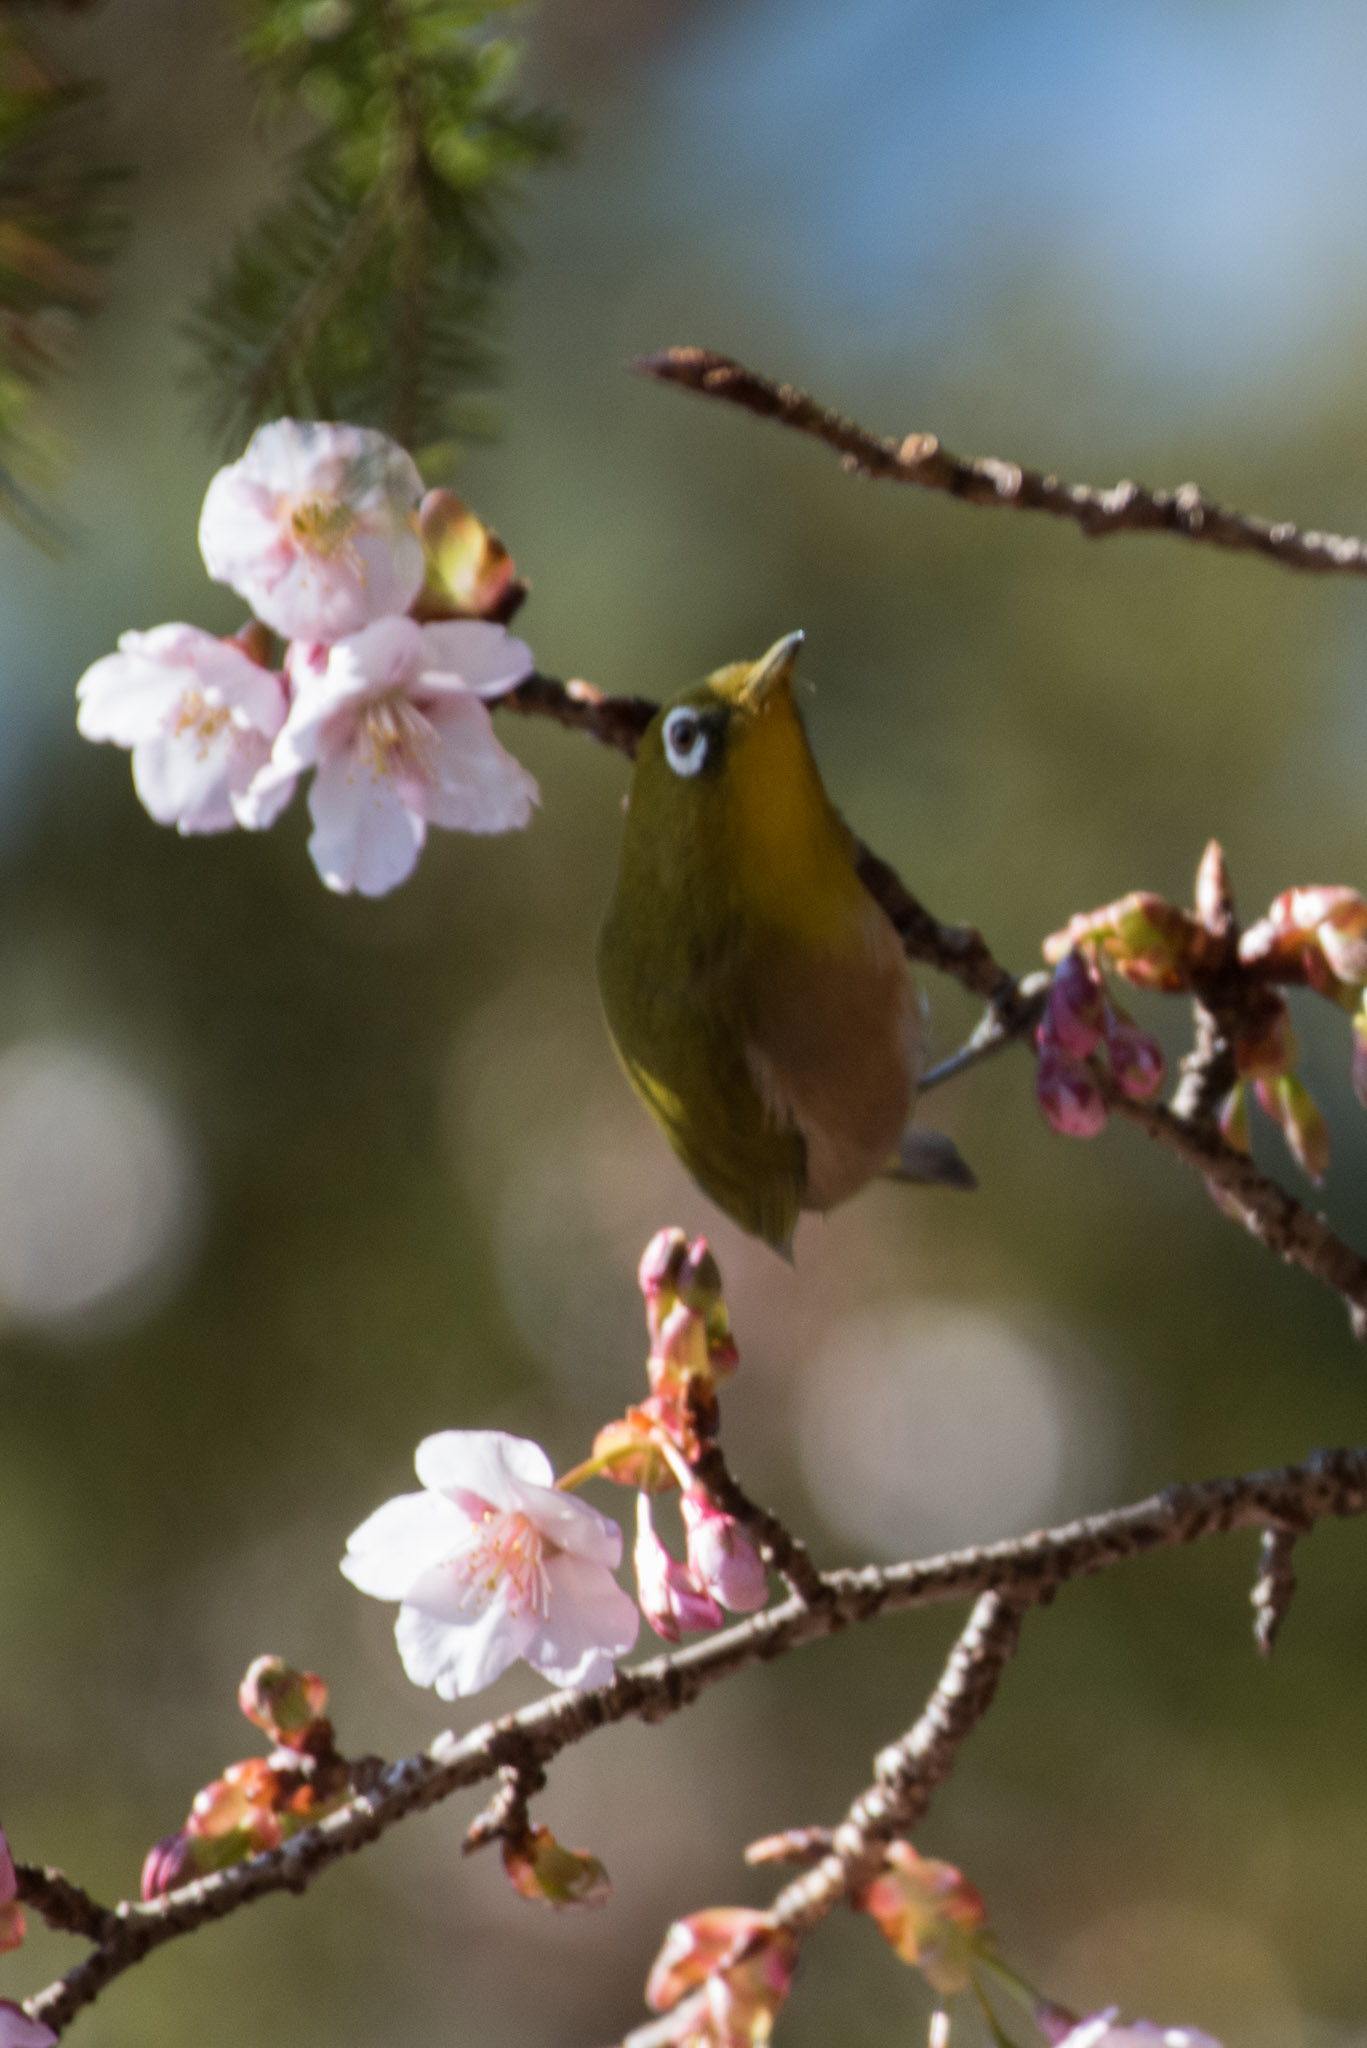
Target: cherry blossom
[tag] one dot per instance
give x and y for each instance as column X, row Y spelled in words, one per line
column 316, row 527
column 1105, row 2030
column 200, row 717
column 393, row 720
column 491, row 1563
column 17, row 2030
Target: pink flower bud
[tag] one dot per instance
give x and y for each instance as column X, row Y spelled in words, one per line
column 284, row 1702
column 930, row 1915
column 546, row 1874
column 17, row 2030
column 1136, row 1060
column 660, row 1262
column 1075, row 1008
column 1069, row 1095
column 722, row 1557
column 169, row 1863
column 671, row 1600
column 1214, row 890
column 1342, row 938
column 13, row 1926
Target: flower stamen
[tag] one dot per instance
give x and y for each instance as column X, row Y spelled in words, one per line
column 394, row 739
column 507, row 1551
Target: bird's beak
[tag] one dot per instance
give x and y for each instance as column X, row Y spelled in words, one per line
column 772, row 670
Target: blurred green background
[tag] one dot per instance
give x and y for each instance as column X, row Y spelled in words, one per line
column 287, row 1181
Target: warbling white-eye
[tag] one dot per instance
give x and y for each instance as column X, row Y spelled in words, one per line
column 757, row 995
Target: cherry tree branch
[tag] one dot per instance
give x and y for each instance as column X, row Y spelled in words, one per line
column 1124, row 507
column 1017, row 1573
column 906, row 1773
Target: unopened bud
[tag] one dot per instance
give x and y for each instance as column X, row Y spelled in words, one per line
column 660, row 1262
column 930, row 1915
column 1214, row 890
column 1145, row 938
column 282, row 1701
column 169, row 1863
column 731, row 1939
column 1069, row 1095
column 470, row 574
column 542, row 1871
column 670, row 1598
column 13, row 1926
column 722, row 1557
column 1075, row 1008
column 1136, row 1058
column 17, row 2030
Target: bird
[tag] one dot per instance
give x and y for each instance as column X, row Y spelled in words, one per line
column 757, row 995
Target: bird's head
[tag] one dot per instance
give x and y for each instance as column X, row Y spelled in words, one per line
column 710, row 745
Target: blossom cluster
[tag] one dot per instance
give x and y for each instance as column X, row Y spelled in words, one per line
column 1313, row 937
column 723, row 1973
column 258, row 1803
column 497, row 1560
column 387, row 608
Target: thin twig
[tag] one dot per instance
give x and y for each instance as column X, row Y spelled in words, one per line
column 1026, row 1569
column 907, row 1772
column 999, row 1027
column 1124, row 507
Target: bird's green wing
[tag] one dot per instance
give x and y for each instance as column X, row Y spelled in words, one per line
column 691, row 1071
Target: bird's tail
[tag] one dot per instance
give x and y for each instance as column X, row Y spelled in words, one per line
column 930, row 1159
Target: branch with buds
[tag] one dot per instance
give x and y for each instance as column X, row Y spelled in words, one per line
column 495, row 1560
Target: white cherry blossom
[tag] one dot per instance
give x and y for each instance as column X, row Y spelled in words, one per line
column 316, row 526
column 491, row 1563
column 199, row 716
column 393, row 720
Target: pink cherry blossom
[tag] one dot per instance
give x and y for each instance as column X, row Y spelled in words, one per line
column 316, row 527
column 392, row 718
column 17, row 2030
column 200, row 717
column 672, row 1600
column 722, row 1558
column 490, row 1563
column 1105, row 2030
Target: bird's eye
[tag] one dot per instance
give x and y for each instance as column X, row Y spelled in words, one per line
column 685, row 742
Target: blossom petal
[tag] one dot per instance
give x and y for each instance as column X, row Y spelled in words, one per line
column 477, row 785
column 489, row 1463
column 471, row 654
column 458, row 1658
column 395, row 1546
column 590, row 1621
column 189, row 782
column 365, row 837
column 126, row 700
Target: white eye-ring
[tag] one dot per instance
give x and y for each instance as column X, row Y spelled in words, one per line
column 685, row 741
